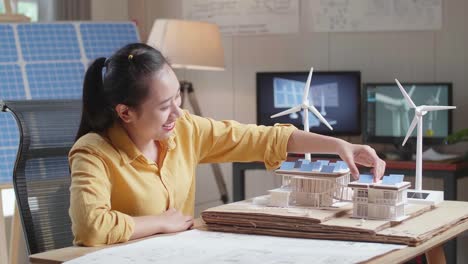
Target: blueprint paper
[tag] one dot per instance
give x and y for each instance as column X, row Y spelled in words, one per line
column 203, row 247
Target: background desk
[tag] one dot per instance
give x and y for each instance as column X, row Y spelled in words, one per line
column 449, row 172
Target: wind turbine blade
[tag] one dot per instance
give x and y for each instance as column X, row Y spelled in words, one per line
column 307, row 85
column 408, row 99
column 435, row 107
column 411, row 128
column 319, row 116
column 289, row 111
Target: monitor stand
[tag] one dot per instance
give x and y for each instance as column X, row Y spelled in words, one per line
column 425, row 197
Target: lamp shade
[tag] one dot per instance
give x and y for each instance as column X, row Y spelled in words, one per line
column 188, row 44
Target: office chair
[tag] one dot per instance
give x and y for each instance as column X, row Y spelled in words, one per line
column 41, row 176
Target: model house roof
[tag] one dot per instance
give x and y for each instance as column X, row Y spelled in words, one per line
column 392, row 181
column 305, row 167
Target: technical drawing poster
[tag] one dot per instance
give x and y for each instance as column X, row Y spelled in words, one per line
column 375, row 15
column 246, row 17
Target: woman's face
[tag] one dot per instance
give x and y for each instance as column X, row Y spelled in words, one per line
column 155, row 117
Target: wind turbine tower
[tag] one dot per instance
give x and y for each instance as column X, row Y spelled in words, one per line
column 418, row 195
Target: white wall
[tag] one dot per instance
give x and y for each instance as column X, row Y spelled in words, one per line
column 109, row 10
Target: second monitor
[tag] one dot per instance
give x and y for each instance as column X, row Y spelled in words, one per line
column 336, row 95
column 388, row 115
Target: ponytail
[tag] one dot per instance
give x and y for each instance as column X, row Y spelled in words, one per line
column 97, row 115
column 126, row 81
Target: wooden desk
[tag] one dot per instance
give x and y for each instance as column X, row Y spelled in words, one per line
column 431, row 248
column 449, row 172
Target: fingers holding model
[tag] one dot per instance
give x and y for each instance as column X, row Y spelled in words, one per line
column 352, row 154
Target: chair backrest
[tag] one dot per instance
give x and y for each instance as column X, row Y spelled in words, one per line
column 41, row 175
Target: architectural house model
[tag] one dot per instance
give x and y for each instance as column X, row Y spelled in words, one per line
column 382, row 200
column 317, row 184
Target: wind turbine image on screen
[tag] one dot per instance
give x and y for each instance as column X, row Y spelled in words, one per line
column 419, row 112
column 306, row 107
column 399, row 109
column 433, row 100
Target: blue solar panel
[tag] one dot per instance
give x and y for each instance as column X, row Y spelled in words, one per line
column 55, row 80
column 43, row 42
column 7, row 44
column 11, row 82
column 101, row 40
column 9, row 141
column 9, row 136
column 7, row 161
column 327, row 169
column 307, row 167
column 366, row 178
column 287, row 165
column 52, row 58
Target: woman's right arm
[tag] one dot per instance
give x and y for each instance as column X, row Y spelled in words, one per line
column 168, row 222
column 93, row 220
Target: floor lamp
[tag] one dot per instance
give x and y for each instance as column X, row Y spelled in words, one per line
column 191, row 45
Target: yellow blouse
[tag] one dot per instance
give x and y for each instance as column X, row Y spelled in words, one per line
column 112, row 180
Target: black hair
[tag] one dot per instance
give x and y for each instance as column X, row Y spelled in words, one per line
column 120, row 79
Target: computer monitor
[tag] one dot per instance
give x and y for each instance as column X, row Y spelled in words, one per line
column 336, row 95
column 388, row 115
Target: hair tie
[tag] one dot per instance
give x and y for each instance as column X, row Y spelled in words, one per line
column 130, row 57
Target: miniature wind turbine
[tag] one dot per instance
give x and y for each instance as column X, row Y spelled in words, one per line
column 306, row 107
column 418, row 195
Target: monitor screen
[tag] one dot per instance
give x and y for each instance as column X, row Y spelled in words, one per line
column 336, row 95
column 388, row 115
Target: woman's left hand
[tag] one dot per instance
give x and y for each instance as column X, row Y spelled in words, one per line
column 364, row 155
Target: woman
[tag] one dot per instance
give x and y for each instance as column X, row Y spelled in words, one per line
column 133, row 164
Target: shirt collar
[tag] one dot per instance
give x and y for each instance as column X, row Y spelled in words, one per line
column 127, row 149
column 122, row 142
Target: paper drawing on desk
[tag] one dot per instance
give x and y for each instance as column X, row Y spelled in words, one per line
column 203, row 247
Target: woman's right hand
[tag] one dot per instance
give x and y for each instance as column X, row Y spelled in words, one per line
column 168, row 222
column 174, row 221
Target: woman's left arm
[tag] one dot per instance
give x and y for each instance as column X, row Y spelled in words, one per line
column 304, row 142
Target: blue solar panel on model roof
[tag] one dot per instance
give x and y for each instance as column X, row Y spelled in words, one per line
column 307, row 167
column 7, row 44
column 324, row 162
column 392, row 179
column 297, row 164
column 343, row 164
column 316, row 166
column 287, row 165
column 398, row 177
column 327, row 169
column 366, row 178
